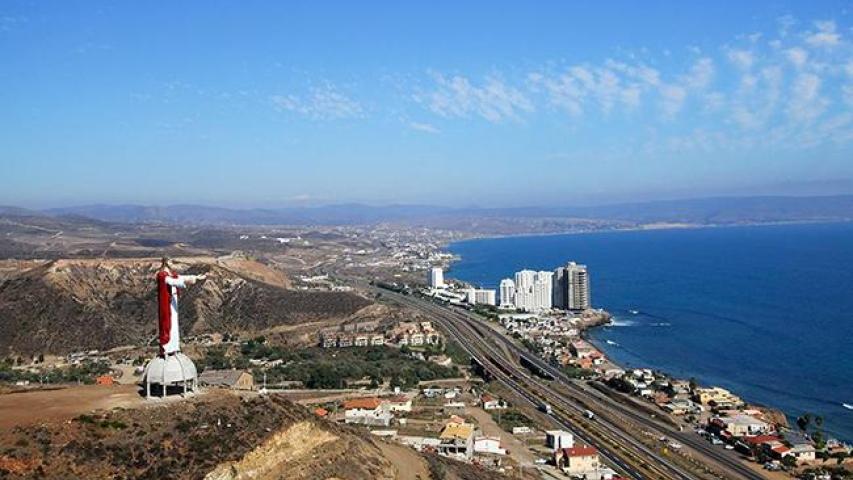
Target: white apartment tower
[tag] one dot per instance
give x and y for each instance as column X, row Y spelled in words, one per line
column 507, row 292
column 524, row 298
column 436, row 277
column 532, row 290
column 542, row 290
column 479, row 296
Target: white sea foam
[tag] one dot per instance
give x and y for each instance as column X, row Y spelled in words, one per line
column 622, row 323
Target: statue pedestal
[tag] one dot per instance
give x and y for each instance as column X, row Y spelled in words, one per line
column 175, row 370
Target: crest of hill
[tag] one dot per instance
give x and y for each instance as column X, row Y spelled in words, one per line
column 71, row 305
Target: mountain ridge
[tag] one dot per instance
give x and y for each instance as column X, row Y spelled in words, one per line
column 704, row 210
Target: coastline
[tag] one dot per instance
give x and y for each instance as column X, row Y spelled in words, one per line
column 788, row 412
column 641, row 228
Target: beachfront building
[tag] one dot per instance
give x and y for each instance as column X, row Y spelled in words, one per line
column 532, row 290
column 571, row 287
column 507, row 290
column 739, row 425
column 479, row 296
column 436, row 277
column 524, row 298
column 717, row 398
column 542, row 290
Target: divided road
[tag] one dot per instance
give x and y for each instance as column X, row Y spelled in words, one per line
column 489, row 348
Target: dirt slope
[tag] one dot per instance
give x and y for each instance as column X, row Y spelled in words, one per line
column 69, row 305
column 218, row 438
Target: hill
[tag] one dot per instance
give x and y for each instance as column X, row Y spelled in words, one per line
column 218, row 436
column 69, row 305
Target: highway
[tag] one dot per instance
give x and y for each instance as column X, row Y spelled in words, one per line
column 625, row 452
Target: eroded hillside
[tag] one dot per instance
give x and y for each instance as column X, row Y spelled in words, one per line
column 218, row 438
column 68, row 305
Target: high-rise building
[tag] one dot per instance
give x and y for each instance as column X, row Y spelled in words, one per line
column 559, row 288
column 484, row 296
column 436, row 277
column 524, row 297
column 479, row 296
column 542, row 290
column 577, row 296
column 507, row 292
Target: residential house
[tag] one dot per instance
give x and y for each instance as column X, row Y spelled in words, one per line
column 367, row 411
column 739, row 425
column 491, row 403
column 559, row 439
column 488, row 445
column 581, row 349
column 717, row 398
column 580, row 461
column 399, row 404
column 457, row 440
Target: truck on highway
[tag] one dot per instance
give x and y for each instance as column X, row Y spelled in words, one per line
column 589, row 414
column 546, row 408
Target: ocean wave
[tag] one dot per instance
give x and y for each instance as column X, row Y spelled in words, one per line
column 660, row 324
column 622, row 323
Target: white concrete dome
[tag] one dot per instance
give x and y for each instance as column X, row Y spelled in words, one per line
column 171, row 370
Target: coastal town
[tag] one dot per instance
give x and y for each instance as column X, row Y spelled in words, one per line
column 405, row 376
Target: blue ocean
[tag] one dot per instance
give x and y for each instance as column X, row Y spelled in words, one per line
column 766, row 311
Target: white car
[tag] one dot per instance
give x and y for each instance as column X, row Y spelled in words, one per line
column 730, row 447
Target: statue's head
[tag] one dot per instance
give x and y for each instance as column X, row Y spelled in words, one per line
column 166, row 263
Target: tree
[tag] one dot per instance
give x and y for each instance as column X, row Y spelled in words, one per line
column 789, row 461
column 803, row 421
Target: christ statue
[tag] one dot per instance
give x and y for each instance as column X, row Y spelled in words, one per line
column 169, row 283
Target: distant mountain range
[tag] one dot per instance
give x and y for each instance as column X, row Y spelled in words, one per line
column 701, row 211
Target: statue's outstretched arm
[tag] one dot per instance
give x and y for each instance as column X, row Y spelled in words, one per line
column 181, row 281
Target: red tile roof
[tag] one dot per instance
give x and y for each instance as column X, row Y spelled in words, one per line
column 584, row 451
column 363, row 403
column 759, row 439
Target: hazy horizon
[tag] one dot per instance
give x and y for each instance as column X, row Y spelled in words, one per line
column 269, row 105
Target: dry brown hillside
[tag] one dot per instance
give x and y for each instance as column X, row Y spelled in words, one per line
column 223, row 437
column 68, row 305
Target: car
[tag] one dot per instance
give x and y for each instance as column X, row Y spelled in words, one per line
column 730, row 447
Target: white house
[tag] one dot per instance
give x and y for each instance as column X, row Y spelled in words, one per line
column 488, row 445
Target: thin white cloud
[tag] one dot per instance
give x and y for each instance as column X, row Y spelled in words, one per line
column 492, row 100
column 825, row 36
column 424, row 127
column 321, row 103
column 672, row 99
column 797, row 56
column 582, row 88
column 806, row 103
column 701, row 74
column 743, row 59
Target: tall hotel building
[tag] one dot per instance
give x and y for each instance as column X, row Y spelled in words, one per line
column 436, row 277
column 507, row 290
column 571, row 287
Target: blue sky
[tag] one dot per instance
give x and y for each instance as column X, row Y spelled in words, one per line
column 454, row 103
